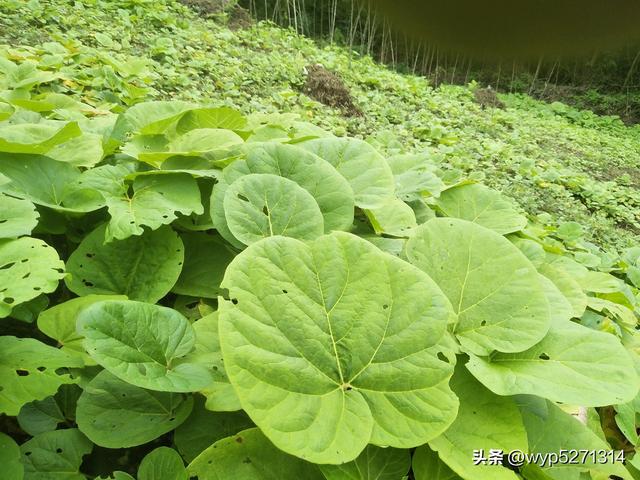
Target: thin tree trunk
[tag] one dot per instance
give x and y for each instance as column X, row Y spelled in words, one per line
column 535, row 76
column 631, row 69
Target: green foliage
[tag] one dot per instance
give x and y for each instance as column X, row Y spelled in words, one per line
column 221, row 294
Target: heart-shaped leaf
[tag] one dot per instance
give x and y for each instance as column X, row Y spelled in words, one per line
column 493, row 287
column 116, row 414
column 142, row 344
column 143, row 267
column 371, row 374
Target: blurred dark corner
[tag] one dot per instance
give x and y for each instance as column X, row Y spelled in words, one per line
column 517, row 29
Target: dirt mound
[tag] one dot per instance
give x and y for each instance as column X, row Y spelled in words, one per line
column 487, row 97
column 328, row 88
column 206, row 7
column 239, row 19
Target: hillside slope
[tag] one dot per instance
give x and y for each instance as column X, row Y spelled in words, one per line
column 552, row 159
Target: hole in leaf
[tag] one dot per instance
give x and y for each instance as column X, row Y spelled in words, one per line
column 165, row 216
column 385, row 306
column 22, row 373
column 37, row 289
column 234, row 301
column 8, row 300
column 25, row 260
column 483, row 323
column 3, row 221
column 443, row 357
column 285, row 291
column 90, row 255
column 26, row 275
column 265, row 210
column 87, row 283
column 246, row 460
column 239, row 439
column 172, row 419
column 243, row 198
column 58, row 450
column 7, row 266
column 27, row 453
column 41, row 369
column 544, row 356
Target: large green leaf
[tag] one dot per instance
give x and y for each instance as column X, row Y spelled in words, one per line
column 364, row 168
column 45, row 415
column 551, row 430
column 250, row 456
column 600, row 282
column 59, row 321
column 200, row 223
column 55, row 455
column 143, row 268
column 221, row 117
column 572, row 364
column 493, row 287
column 426, row 465
column 205, row 140
column 568, row 286
column 211, row 143
column 115, row 414
column 152, row 117
column 218, row 217
column 483, row 206
column 394, row 218
column 626, row 420
column 84, row 151
column 35, row 138
column 330, row 189
column 560, row 308
column 142, row 344
column 486, row 422
column 6, row 111
column 415, row 177
column 31, row 370
column 371, row 374
column 203, row 428
column 205, row 259
column 219, row 393
column 374, row 463
column 28, row 268
column 261, row 205
column 17, row 217
column 47, row 182
column 163, row 463
column 12, row 468
column 154, row 202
